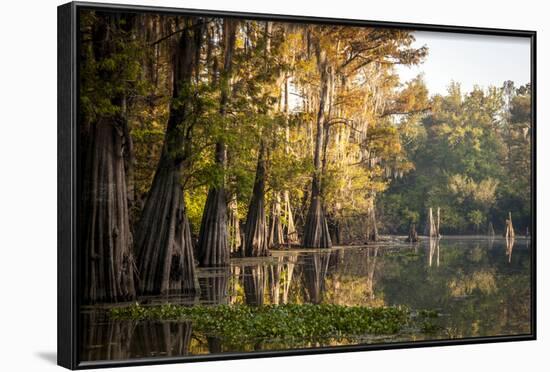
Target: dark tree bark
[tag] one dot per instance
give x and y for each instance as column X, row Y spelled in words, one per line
column 413, row 235
column 213, row 244
column 107, row 241
column 108, row 262
column 213, row 236
column 163, row 241
column 255, row 231
column 316, row 233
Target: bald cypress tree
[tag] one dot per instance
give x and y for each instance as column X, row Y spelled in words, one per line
column 163, row 241
column 108, row 262
column 213, row 237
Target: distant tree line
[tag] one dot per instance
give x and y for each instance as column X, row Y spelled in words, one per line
column 472, row 158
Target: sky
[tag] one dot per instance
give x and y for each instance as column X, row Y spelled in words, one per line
column 470, row 60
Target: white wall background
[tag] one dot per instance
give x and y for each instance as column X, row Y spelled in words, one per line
column 28, row 184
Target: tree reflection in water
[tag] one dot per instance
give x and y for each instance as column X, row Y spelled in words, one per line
column 254, row 280
column 103, row 339
column 315, row 267
column 166, row 338
column 214, row 284
column 433, row 247
column 509, row 247
column 107, row 339
column 475, row 274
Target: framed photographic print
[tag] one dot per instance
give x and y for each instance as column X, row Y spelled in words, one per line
column 235, row 185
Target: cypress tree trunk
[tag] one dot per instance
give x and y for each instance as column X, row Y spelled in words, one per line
column 291, row 233
column 372, row 229
column 213, row 244
column 316, row 233
column 256, row 229
column 106, row 239
column 276, row 227
column 256, row 239
column 234, row 226
column 163, row 241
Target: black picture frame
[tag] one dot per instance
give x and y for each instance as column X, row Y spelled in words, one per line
column 68, row 258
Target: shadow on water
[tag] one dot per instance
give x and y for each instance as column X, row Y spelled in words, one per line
column 454, row 276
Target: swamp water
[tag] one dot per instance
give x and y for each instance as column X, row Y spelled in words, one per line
column 479, row 287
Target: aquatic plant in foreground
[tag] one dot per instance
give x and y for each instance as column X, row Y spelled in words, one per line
column 305, row 321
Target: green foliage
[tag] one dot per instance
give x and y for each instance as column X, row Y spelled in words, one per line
column 243, row 323
column 110, row 68
column 471, row 159
column 476, row 217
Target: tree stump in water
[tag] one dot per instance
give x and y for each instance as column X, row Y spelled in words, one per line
column 509, row 229
column 413, row 235
column 432, row 227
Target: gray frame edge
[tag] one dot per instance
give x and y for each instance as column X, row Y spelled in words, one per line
column 66, row 186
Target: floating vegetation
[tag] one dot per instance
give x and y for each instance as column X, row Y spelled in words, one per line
column 239, row 323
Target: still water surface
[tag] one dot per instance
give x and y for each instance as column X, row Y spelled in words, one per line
column 479, row 286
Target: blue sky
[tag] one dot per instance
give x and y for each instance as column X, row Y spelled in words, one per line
column 470, row 60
